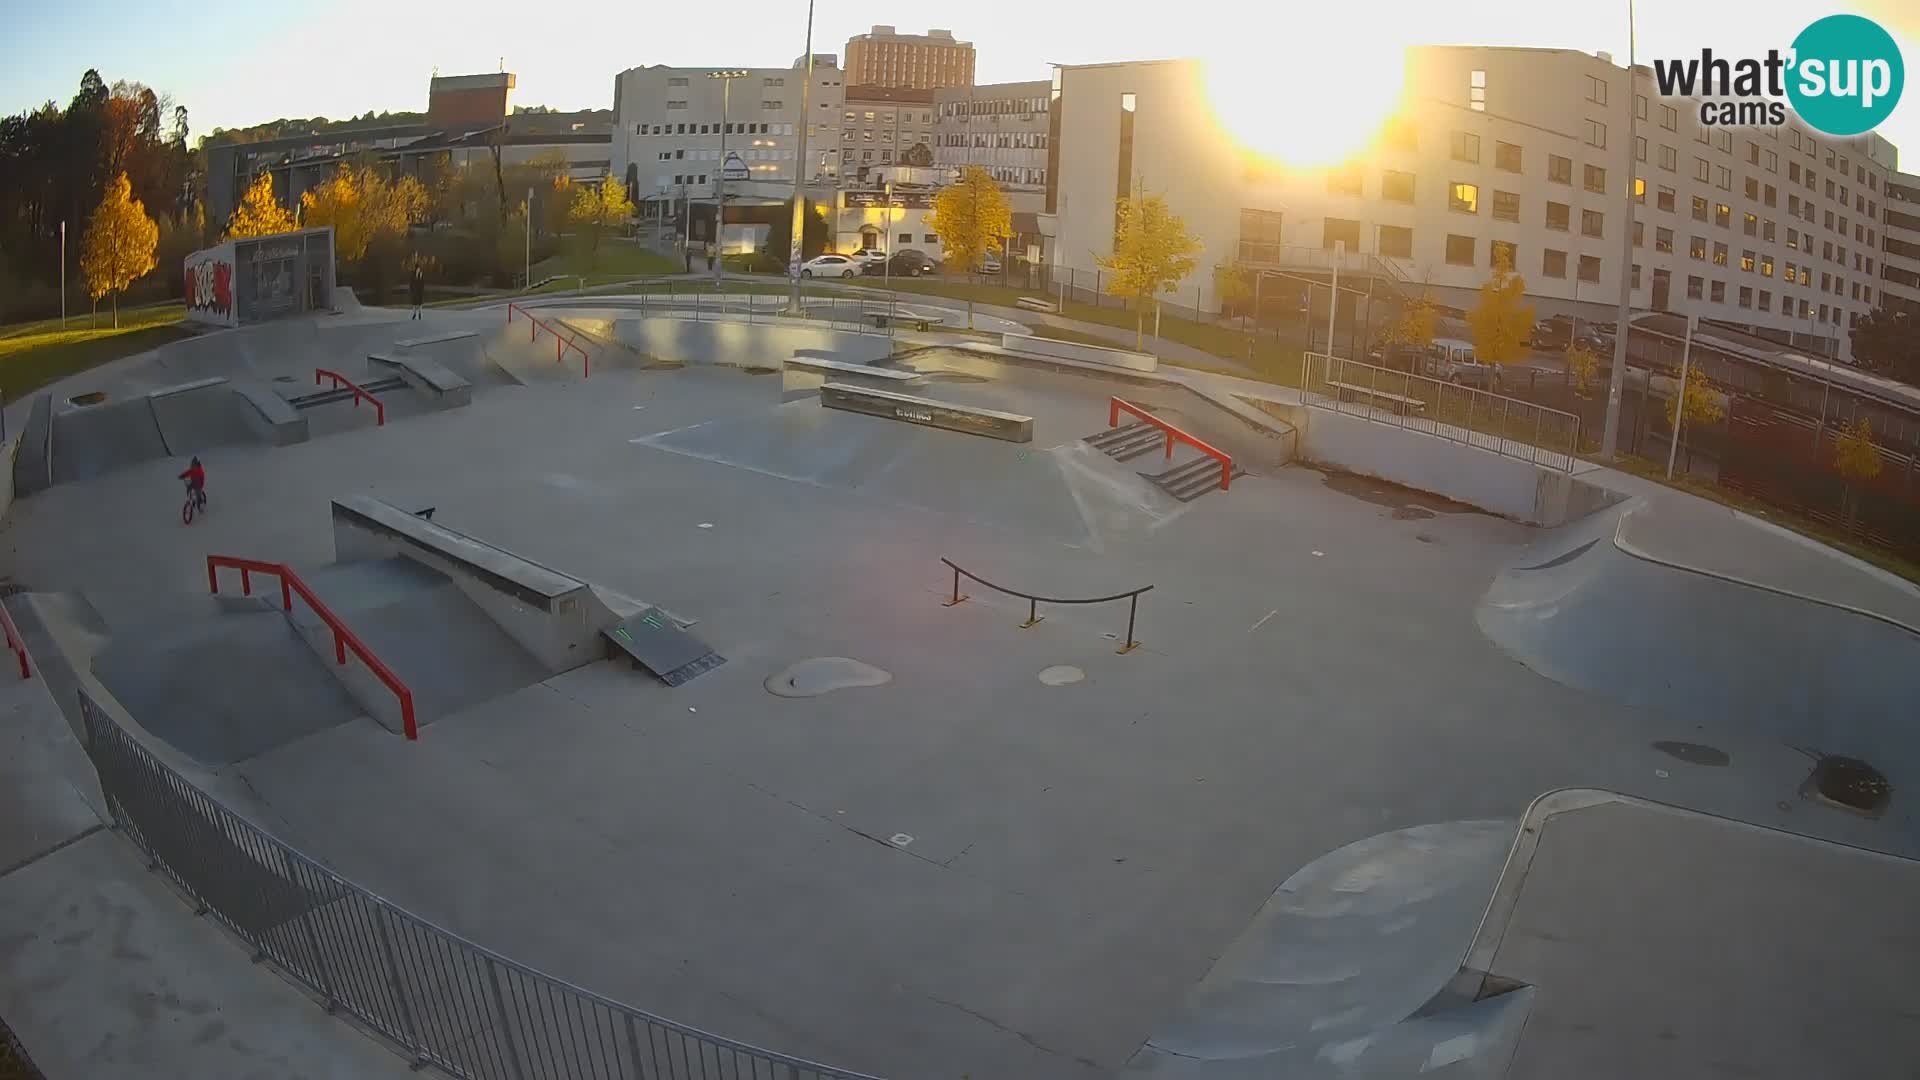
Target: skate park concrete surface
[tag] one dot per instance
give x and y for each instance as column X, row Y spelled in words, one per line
column 1022, row 852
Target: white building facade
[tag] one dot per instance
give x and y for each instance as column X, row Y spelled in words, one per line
column 668, row 127
column 1900, row 247
column 1523, row 150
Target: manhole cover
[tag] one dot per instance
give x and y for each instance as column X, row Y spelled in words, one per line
column 1850, row 784
column 1061, row 675
column 1694, row 753
column 824, row 674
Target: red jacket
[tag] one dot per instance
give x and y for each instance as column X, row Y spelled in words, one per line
column 195, row 476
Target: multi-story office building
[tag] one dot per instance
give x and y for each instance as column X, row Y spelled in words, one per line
column 879, row 125
column 1500, row 150
column 1900, row 244
column 668, row 127
column 1001, row 127
column 885, row 57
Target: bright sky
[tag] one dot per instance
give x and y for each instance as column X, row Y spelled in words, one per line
column 235, row 63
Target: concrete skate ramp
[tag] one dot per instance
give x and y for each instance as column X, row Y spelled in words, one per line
column 32, row 463
column 1325, row 979
column 203, row 415
column 446, row 650
column 1061, row 494
column 1581, row 607
column 221, row 688
column 742, row 344
column 93, row 440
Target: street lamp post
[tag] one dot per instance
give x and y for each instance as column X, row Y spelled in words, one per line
column 1616, row 382
column 887, row 269
column 795, row 248
column 720, row 178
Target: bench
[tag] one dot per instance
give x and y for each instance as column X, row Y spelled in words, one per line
column 1034, row 303
column 1399, row 403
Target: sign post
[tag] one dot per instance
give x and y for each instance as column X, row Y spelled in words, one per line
column 1680, row 402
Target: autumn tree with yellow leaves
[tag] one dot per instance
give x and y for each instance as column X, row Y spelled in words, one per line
column 1503, row 319
column 259, row 212
column 1152, row 252
column 362, row 205
column 119, row 243
column 1856, row 460
column 970, row 217
column 597, row 208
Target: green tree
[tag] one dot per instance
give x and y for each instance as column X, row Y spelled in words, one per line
column 917, row 156
column 970, row 217
column 1233, row 288
column 259, row 212
column 1152, row 252
column 813, row 233
column 361, row 204
column 597, row 208
column 1888, row 341
column 119, row 244
column 1502, row 320
column 1856, row 460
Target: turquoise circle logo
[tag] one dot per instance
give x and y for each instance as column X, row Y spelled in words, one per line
column 1847, row 75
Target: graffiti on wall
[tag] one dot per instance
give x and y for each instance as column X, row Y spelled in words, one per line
column 210, row 287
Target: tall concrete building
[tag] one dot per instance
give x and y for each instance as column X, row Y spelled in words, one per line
column 885, row 57
column 1520, row 151
column 879, row 124
column 1900, row 245
column 669, row 124
column 1002, row 128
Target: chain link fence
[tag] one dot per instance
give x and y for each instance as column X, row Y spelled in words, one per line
column 1505, row 425
column 446, row 1001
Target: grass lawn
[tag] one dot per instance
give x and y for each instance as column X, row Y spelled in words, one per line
column 615, row 261
column 36, row 353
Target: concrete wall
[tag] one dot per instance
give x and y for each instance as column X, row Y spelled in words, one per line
column 1481, row 478
column 753, row 345
column 1073, row 350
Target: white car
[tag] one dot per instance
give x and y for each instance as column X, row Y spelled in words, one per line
column 868, row 255
column 829, row 266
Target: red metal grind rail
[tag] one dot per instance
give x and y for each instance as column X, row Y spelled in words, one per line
column 561, row 342
column 1174, row 434
column 343, row 638
column 339, row 380
column 14, row 640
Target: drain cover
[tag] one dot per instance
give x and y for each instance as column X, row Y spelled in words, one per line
column 1693, row 753
column 1851, row 784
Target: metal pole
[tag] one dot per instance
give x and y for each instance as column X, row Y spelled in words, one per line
column 1680, row 403
column 63, row 275
column 1333, row 290
column 528, row 282
column 795, row 248
column 887, row 270
column 720, row 178
column 1610, row 437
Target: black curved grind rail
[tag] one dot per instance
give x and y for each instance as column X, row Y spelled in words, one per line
column 1132, row 597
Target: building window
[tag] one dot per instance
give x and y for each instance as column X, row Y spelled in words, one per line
column 1719, row 253
column 676, row 104
column 1663, row 199
column 1750, row 188
column 1465, row 147
column 1723, row 178
column 1697, row 248
column 1459, row 250
column 1259, row 236
column 1337, row 230
column 1718, row 292
column 1477, row 91
column 1696, row 287
column 1766, row 300
column 1773, row 161
column 1753, row 153
column 1639, row 234
column 1396, row 186
column 676, row 82
column 1771, row 196
column 1766, row 265
column 1640, row 190
column 1507, row 157
column 1592, row 223
column 1396, row 241
column 1699, row 208
column 1788, row 273
column 1506, row 206
column 1464, row 198
column 1793, row 171
column 1663, row 240
column 1702, row 170
column 1596, row 90
column 1596, row 134
column 1767, row 229
column 1635, row 274
column 1639, row 148
column 1595, row 179
column 1589, row 268
column 1559, row 169
column 1746, row 296
column 1669, row 118
column 1750, row 224
column 1669, row 158
column 1723, row 215
column 1723, row 140
column 1559, row 215
column 1746, row 260
column 1640, row 106
column 1553, row 263
column 1503, row 249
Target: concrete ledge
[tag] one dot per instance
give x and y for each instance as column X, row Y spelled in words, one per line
column 526, row 581
column 33, row 467
column 451, row 335
column 763, row 345
column 429, row 376
column 1072, row 350
column 927, row 412
column 181, row 388
column 801, row 375
column 277, row 422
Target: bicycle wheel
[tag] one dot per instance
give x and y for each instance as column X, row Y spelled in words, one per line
column 186, row 511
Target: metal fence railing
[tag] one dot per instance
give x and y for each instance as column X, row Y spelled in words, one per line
column 446, row 1001
column 1466, row 414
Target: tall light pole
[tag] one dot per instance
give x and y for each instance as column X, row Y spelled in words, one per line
column 528, row 282
column 1617, row 381
column 720, row 178
column 63, row 275
column 887, row 267
column 795, row 248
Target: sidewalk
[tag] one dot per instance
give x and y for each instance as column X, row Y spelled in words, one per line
column 105, row 972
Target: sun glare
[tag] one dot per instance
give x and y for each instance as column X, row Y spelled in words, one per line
column 1318, row 108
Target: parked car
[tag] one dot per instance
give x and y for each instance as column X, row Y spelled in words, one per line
column 907, row 262
column 866, row 256
column 829, row 266
column 990, row 264
column 1560, row 333
column 1453, row 360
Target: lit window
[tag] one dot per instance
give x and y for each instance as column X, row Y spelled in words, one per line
column 1477, row 91
column 1464, row 198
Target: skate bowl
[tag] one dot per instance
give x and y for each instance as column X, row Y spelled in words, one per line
column 1611, row 606
column 742, row 344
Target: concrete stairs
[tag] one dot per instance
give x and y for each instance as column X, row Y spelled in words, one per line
column 1192, row 477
